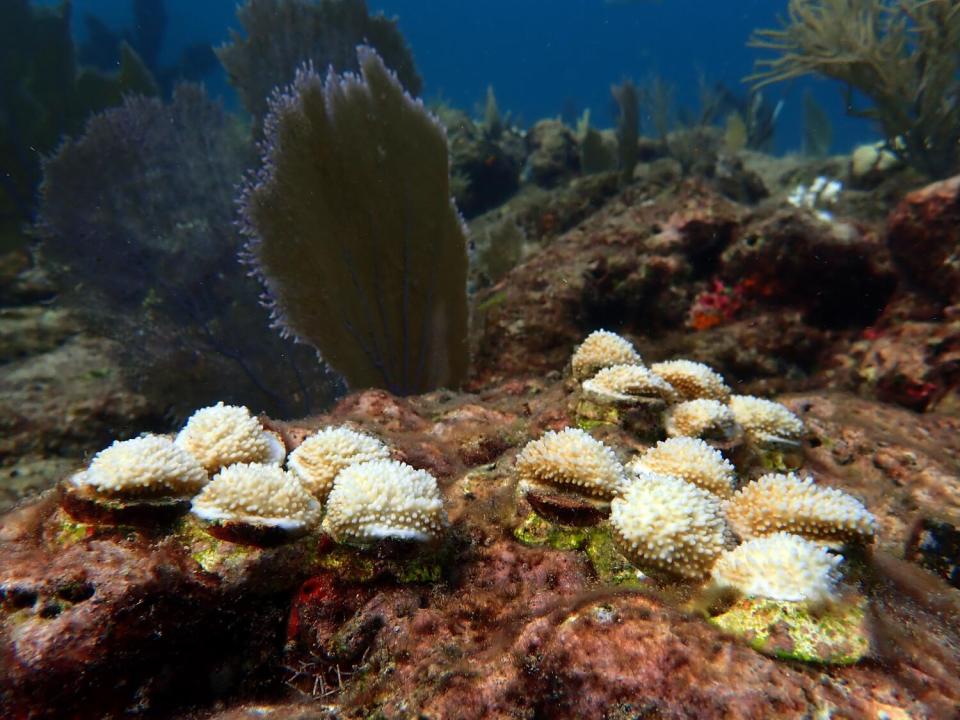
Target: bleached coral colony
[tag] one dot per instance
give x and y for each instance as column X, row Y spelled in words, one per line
column 678, row 510
column 251, row 498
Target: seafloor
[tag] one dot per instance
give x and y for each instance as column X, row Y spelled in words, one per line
column 852, row 321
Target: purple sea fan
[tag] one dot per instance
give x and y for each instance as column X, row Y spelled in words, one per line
column 353, row 231
column 137, row 218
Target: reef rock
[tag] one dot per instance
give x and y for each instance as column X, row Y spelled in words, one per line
column 923, row 234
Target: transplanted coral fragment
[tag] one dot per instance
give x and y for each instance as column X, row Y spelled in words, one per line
column 765, row 421
column 693, row 380
column 571, row 460
column 135, row 479
column 781, row 566
column 627, row 385
column 384, row 500
column 321, row 456
column 778, row 502
column 256, row 504
column 601, row 349
column 703, row 418
column 691, row 460
column 664, row 523
column 222, row 435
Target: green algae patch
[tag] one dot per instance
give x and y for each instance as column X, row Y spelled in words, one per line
column 590, row 415
column 611, row 567
column 537, row 532
column 492, row 301
column 212, row 555
column 837, row 635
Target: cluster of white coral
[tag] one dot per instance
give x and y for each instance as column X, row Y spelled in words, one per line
column 571, row 460
column 377, row 498
column 601, row 349
column 691, row 460
column 780, row 567
column 319, row 459
column 382, row 499
column 700, row 402
column 257, row 493
column 223, row 435
column 147, row 466
column 778, row 502
column 665, row 523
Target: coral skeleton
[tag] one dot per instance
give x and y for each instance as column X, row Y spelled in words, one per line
column 693, row 380
column 779, row 502
column 691, row 460
column 384, row 500
column 319, row 458
column 222, row 435
column 571, row 461
column 766, row 421
column 664, row 523
column 701, row 419
column 258, row 494
column 781, row 566
column 601, row 349
column 627, row 385
column 147, row 466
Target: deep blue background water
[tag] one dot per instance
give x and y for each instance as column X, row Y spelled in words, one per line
column 544, row 55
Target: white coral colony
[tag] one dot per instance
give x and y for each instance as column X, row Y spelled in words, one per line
column 384, row 500
column 321, row 456
column 256, row 504
column 222, row 435
column 601, row 349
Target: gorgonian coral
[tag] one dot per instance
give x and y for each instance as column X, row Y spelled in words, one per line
column 353, row 231
column 903, row 55
column 137, row 217
column 282, row 35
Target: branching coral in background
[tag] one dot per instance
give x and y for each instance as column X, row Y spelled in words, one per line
column 281, row 35
column 138, row 216
column 903, row 55
column 353, row 230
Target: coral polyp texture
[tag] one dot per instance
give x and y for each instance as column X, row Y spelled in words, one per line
column 352, row 230
column 693, row 380
column 786, row 502
column 222, row 435
column 700, row 419
column 259, row 494
column 384, row 500
column 661, row 522
column 571, row 460
column 147, row 466
column 601, row 349
column 692, row 460
column 781, row 566
column 766, row 421
column 321, row 456
column 626, row 385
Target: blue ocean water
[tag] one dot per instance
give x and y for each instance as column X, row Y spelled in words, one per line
column 545, row 57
